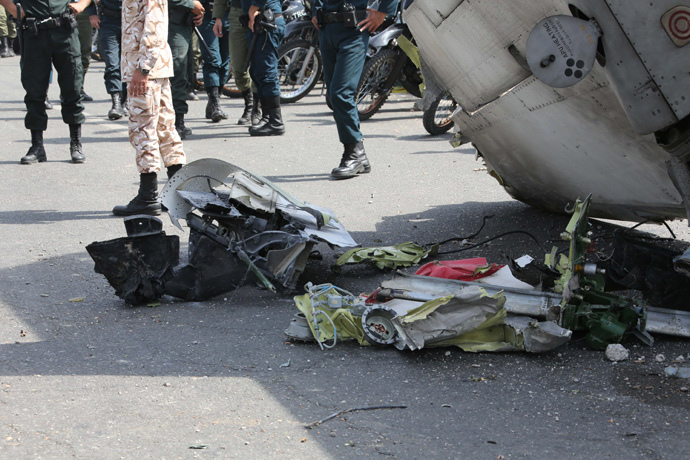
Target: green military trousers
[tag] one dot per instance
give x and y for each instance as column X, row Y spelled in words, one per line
column 7, row 28
column 180, row 41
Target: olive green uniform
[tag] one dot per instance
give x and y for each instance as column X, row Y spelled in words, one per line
column 58, row 46
column 7, row 28
column 180, row 31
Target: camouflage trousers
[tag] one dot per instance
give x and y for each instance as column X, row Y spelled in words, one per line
column 152, row 128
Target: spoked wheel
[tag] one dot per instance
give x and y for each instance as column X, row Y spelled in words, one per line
column 299, row 69
column 436, row 118
column 370, row 92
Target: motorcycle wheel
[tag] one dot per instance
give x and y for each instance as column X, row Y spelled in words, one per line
column 230, row 89
column 291, row 59
column 370, row 93
column 436, row 118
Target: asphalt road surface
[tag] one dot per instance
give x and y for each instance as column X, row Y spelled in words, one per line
column 84, row 376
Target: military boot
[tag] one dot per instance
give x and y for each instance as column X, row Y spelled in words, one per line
column 123, row 98
column 272, row 122
column 172, row 169
column 36, row 153
column 354, row 162
column 213, row 110
column 246, row 117
column 5, row 47
column 75, row 150
column 116, row 111
column 85, row 97
column 146, row 200
column 257, row 110
column 182, row 130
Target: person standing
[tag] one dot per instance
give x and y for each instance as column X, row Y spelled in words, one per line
column 216, row 65
column 8, row 33
column 50, row 36
column 85, row 43
column 147, row 65
column 184, row 15
column 263, row 61
column 344, row 41
column 109, row 23
column 237, row 39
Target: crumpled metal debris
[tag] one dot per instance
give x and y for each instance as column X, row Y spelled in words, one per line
column 388, row 257
column 682, row 263
column 469, row 318
column 239, row 223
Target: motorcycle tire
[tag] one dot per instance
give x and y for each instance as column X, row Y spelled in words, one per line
column 436, row 118
column 291, row 56
column 230, row 88
column 370, row 93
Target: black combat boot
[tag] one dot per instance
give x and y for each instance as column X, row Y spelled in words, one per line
column 36, row 153
column 354, row 162
column 85, row 97
column 246, row 117
column 172, row 169
column 213, row 110
column 123, row 98
column 6, row 48
column 146, row 200
column 272, row 122
column 75, row 150
column 116, row 111
column 182, row 130
column 257, row 110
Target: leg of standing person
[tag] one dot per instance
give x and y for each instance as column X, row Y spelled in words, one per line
column 344, row 51
column 193, row 67
column 85, row 42
column 70, row 76
column 7, row 34
column 110, row 37
column 264, row 72
column 143, row 126
column 154, row 137
column 35, row 76
column 238, row 56
column 180, row 41
column 215, row 65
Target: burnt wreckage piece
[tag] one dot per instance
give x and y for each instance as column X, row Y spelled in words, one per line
column 239, row 223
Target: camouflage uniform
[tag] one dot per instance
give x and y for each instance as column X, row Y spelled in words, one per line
column 151, row 116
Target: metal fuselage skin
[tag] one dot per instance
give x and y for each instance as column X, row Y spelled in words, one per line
column 549, row 146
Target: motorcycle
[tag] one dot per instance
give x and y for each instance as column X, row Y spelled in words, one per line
column 387, row 63
column 299, row 57
column 436, row 119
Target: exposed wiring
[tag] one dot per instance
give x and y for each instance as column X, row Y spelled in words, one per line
column 493, row 238
column 463, row 238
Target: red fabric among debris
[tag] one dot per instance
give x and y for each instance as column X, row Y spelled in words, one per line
column 463, row 270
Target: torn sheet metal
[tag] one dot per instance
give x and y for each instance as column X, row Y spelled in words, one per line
column 469, row 318
column 474, row 321
column 230, row 183
column 529, row 302
column 239, row 224
column 387, row 257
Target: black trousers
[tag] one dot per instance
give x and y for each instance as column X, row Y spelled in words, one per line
column 58, row 47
